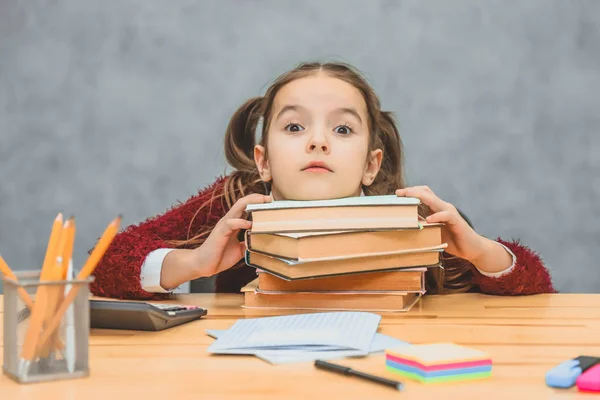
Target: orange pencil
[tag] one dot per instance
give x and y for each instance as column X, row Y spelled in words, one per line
column 98, row 252
column 52, row 249
column 69, row 244
column 55, row 293
column 6, row 271
column 88, row 268
column 67, row 256
column 39, row 309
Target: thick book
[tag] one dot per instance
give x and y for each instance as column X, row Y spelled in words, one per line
column 382, row 301
column 350, row 213
column 309, row 245
column 411, row 280
column 331, row 266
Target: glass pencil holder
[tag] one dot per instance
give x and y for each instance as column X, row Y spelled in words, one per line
column 46, row 328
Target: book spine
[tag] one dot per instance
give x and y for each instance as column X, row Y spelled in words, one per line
column 247, row 239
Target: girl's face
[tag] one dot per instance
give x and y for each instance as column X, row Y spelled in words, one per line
column 318, row 141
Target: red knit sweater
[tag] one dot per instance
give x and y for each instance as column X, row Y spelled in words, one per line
column 118, row 273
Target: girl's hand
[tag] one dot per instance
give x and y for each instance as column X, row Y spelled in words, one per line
column 222, row 250
column 462, row 240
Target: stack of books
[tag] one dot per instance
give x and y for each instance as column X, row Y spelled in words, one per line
column 366, row 253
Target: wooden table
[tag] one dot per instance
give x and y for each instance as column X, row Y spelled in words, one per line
column 525, row 336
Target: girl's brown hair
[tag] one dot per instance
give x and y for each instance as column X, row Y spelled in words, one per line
column 240, row 139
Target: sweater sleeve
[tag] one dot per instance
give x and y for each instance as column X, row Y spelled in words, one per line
column 528, row 275
column 118, row 272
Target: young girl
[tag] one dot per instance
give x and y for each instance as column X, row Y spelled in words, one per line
column 324, row 136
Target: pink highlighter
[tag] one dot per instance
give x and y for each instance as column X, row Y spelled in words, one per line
column 589, row 381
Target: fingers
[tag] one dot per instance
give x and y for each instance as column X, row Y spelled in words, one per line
column 227, row 227
column 225, row 230
column 446, row 217
column 239, row 207
column 426, row 196
column 233, row 221
column 235, row 224
column 400, row 192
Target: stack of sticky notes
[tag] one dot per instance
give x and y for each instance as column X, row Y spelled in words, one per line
column 438, row 362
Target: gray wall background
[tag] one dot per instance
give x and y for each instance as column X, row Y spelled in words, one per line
column 121, row 106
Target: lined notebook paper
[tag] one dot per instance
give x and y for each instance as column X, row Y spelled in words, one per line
column 379, row 343
column 302, row 332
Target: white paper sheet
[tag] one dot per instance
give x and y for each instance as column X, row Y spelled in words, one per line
column 379, row 343
column 342, row 330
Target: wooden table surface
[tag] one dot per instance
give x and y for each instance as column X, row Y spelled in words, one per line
column 526, row 336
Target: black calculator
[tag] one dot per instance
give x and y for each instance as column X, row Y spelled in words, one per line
column 140, row 315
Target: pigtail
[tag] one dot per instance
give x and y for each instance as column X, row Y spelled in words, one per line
column 240, row 139
column 240, row 136
column 387, row 138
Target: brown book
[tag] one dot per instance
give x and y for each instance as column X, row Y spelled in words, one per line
column 350, row 213
column 309, row 245
column 369, row 301
column 290, row 270
column 405, row 280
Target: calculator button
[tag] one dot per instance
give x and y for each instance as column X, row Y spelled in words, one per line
column 173, row 307
column 165, row 306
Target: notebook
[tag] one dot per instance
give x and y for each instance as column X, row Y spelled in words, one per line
column 302, row 332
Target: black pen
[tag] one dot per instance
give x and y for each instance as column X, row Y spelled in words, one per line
column 349, row 371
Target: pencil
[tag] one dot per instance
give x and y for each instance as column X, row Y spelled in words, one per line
column 7, row 272
column 55, row 292
column 39, row 308
column 52, row 249
column 88, row 268
column 98, row 252
column 70, row 327
column 69, row 244
column 67, row 258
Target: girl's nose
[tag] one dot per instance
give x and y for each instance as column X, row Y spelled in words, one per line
column 318, row 142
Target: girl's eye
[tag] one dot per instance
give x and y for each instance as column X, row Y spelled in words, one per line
column 291, row 127
column 343, row 129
